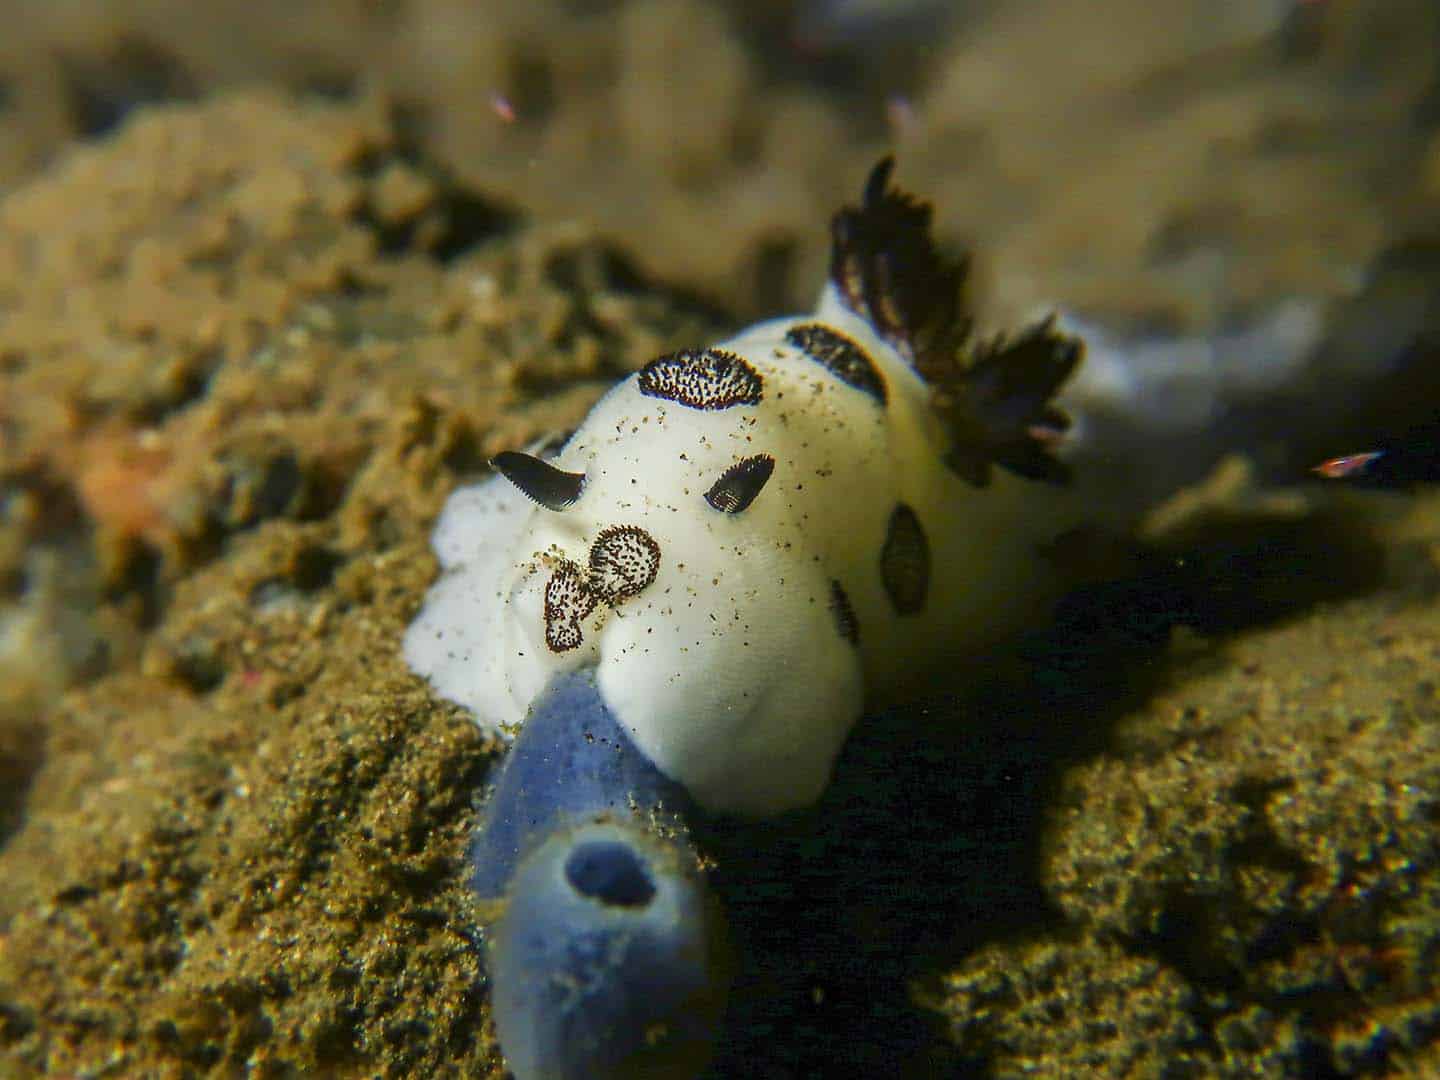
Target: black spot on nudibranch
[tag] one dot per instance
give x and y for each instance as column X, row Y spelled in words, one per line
column 568, row 600
column 702, row 379
column 623, row 560
column 905, row 562
column 552, row 488
column 845, row 618
column 840, row 356
column 740, row 483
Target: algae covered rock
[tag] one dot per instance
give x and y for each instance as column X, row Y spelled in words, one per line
column 1256, row 847
column 238, row 841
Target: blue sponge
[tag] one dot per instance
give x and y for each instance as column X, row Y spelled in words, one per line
column 608, row 961
column 572, row 762
column 608, row 957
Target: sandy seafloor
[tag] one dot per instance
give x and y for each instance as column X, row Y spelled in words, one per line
column 271, row 285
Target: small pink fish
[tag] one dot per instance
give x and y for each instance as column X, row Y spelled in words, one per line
column 1337, row 468
column 501, row 107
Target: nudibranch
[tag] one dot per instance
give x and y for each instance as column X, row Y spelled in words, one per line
column 753, row 542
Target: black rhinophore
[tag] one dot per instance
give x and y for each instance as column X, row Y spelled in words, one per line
column 995, row 399
column 552, row 488
column 740, row 483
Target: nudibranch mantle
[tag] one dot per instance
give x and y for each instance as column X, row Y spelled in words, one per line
column 754, row 541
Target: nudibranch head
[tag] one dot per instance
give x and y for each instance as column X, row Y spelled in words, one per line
column 745, row 540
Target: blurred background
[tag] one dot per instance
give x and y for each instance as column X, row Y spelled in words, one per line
column 1171, row 164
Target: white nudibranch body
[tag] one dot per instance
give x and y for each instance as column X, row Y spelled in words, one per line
column 753, row 541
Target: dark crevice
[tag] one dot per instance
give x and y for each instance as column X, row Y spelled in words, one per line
column 774, row 273
column 327, row 82
column 14, row 580
column 532, row 87
column 592, row 268
column 259, row 485
column 188, row 383
column 465, row 455
column 602, row 267
column 61, row 514
column 101, row 91
column 412, row 126
column 15, row 1023
column 76, row 894
column 335, row 1038
column 279, row 485
column 198, row 666
column 468, row 221
column 22, row 752
column 323, row 491
column 137, row 584
column 456, row 222
column 310, row 569
column 352, row 285
column 1187, row 936
column 314, row 568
